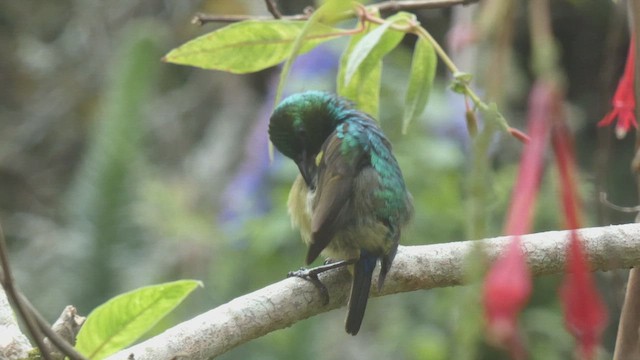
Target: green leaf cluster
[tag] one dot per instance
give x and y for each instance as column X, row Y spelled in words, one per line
column 251, row 46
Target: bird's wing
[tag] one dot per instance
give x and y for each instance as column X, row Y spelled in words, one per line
column 337, row 169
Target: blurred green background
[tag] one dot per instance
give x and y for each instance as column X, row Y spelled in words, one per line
column 118, row 170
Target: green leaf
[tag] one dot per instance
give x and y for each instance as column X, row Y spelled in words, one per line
column 249, row 46
column 363, row 48
column 122, row 320
column 363, row 89
column 332, row 11
column 368, row 44
column 423, row 71
column 363, row 86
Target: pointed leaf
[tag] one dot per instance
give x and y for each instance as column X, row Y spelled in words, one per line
column 248, row 46
column 363, row 48
column 363, row 87
column 423, row 71
column 332, row 11
column 375, row 44
column 123, row 319
column 363, row 91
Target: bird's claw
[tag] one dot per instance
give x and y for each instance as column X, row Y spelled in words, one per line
column 311, row 275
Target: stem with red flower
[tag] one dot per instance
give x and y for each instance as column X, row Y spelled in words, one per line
column 585, row 312
column 628, row 337
column 508, row 283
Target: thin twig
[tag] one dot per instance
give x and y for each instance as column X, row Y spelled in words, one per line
column 201, row 19
column 385, row 6
column 273, row 9
column 60, row 343
column 35, row 323
column 609, row 204
column 418, row 4
column 12, row 295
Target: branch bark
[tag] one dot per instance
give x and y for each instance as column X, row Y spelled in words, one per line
column 415, row 267
column 13, row 343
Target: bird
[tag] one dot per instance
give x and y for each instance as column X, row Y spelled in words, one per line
column 350, row 200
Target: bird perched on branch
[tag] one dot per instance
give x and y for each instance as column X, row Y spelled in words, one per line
column 350, row 200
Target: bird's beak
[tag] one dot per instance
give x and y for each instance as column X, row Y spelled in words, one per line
column 307, row 166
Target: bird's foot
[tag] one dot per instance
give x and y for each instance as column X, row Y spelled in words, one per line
column 312, row 276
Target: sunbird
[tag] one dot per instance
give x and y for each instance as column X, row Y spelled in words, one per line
column 350, row 200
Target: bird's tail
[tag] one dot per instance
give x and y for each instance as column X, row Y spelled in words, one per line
column 360, row 287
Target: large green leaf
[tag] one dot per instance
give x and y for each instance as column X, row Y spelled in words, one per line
column 249, row 46
column 423, row 71
column 360, row 81
column 123, row 319
column 363, row 48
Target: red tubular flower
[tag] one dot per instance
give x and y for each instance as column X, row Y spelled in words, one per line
column 584, row 311
column 624, row 101
column 563, row 150
column 508, row 283
column 541, row 105
column 506, row 291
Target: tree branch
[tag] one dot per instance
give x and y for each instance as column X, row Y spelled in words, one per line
column 415, row 267
column 393, row 6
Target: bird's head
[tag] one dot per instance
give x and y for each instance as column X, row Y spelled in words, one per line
column 301, row 124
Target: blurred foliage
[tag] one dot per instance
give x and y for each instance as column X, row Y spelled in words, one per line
column 118, row 171
column 100, row 198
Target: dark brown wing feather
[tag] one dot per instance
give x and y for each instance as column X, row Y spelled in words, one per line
column 336, row 174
